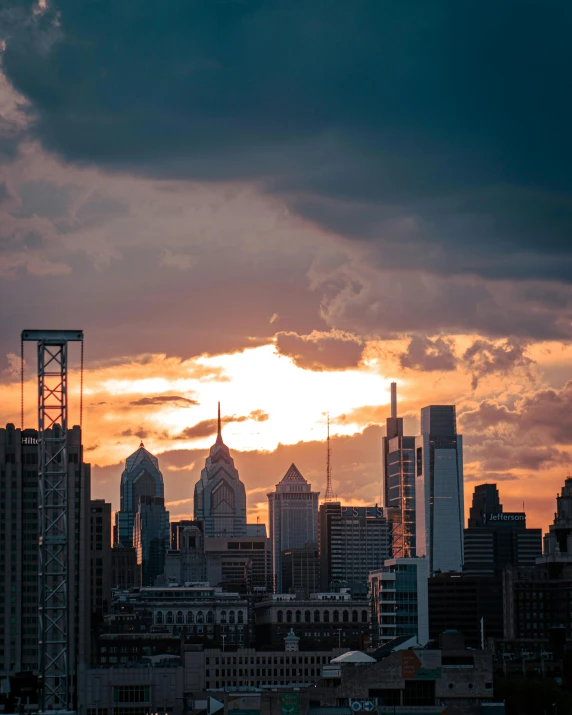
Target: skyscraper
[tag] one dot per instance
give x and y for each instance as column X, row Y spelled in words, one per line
column 353, row 540
column 19, row 580
column 293, row 515
column 100, row 557
column 399, row 479
column 141, row 477
column 220, row 497
column 496, row 538
column 151, row 537
column 439, row 489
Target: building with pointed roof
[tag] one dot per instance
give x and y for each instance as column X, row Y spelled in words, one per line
column 293, row 516
column 220, row 496
column 140, row 478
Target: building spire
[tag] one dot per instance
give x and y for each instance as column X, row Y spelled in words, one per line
column 218, row 432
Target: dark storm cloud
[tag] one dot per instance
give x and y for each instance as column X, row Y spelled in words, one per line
column 437, row 133
column 424, row 353
column 321, row 351
column 174, row 400
column 484, row 358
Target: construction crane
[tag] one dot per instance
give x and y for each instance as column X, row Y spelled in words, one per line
column 54, row 668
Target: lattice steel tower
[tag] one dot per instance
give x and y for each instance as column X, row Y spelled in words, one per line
column 55, row 670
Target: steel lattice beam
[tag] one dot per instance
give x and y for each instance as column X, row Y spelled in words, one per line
column 55, row 668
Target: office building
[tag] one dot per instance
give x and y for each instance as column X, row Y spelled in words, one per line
column 558, row 540
column 151, row 537
column 293, row 519
column 141, row 477
column 100, row 558
column 472, row 604
column 325, row 620
column 220, row 497
column 494, row 538
column 239, row 563
column 187, row 563
column 301, row 570
column 353, row 540
column 19, row 533
column 439, row 506
column 399, row 480
column 399, row 601
column 124, row 570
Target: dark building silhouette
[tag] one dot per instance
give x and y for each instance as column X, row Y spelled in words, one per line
column 301, row 570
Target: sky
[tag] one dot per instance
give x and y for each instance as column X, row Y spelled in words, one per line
column 286, row 206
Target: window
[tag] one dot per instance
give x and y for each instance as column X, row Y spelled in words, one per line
column 223, row 616
column 346, row 616
column 326, row 616
column 354, row 616
column 289, row 616
column 280, row 616
column 169, row 618
column 231, row 617
column 336, row 617
column 210, row 617
column 131, row 693
column 364, row 618
column 159, row 617
column 201, row 617
column 316, row 616
column 307, row 616
column 190, row 617
column 180, row 618
column 298, row 616
column 240, row 616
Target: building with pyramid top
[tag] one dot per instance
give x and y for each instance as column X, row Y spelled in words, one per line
column 293, row 519
column 220, row 496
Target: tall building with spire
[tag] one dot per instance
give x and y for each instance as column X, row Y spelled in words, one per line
column 293, row 516
column 220, row 496
column 141, row 478
column 399, row 480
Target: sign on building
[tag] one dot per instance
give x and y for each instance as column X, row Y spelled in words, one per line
column 291, row 703
column 421, row 664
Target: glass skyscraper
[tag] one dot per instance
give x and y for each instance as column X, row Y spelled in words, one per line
column 439, row 489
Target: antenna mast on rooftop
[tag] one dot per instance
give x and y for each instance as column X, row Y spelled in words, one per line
column 329, row 491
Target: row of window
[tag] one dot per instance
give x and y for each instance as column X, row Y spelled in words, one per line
column 180, row 618
column 296, row 617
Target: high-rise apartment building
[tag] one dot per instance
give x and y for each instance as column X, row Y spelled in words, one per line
column 399, row 601
column 100, row 557
column 141, row 477
column 220, row 497
column 151, row 537
column 19, row 524
column 494, row 538
column 353, row 540
column 399, row 479
column 439, row 508
column 293, row 517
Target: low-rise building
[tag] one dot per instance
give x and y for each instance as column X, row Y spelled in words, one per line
column 326, row 620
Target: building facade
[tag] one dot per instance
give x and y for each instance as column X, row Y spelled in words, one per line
column 19, row 533
column 328, row 620
column 124, row 569
column 151, row 538
column 293, row 519
column 101, row 569
column 301, row 570
column 239, row 563
column 399, row 601
column 399, row 479
column 439, row 489
column 495, row 539
column 353, row 540
column 141, row 477
column 220, row 496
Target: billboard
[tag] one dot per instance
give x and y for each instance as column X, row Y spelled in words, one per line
column 420, row 664
column 291, row 703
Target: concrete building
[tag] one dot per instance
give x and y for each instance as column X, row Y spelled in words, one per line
column 151, row 537
column 399, row 480
column 19, row 552
column 472, row 604
column 124, row 570
column 141, row 477
column 353, row 540
column 240, row 563
column 301, row 570
column 199, row 613
column 101, row 570
column 328, row 620
column 399, row 601
column 220, row 497
column 439, row 506
column 155, row 687
column 187, row 562
column 293, row 519
column 495, row 539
